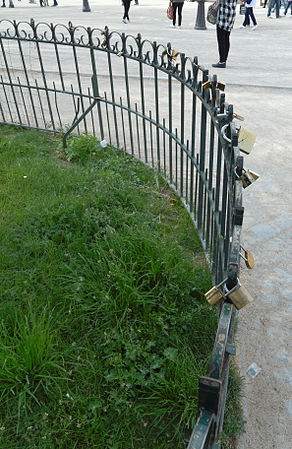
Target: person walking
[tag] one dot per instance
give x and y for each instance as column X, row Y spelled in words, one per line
column 177, row 6
column 126, row 4
column 289, row 3
column 224, row 24
column 273, row 3
column 55, row 3
column 249, row 4
column 11, row 5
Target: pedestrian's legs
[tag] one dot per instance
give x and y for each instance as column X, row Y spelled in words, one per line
column 277, row 3
column 223, row 44
column 3, row 4
column 180, row 7
column 127, row 4
column 271, row 4
column 175, row 6
column 246, row 18
column 252, row 16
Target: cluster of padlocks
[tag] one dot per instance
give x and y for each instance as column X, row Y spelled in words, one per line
column 238, row 295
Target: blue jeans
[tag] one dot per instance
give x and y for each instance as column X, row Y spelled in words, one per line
column 277, row 5
column 287, row 7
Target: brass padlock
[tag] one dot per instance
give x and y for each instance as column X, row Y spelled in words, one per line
column 239, row 295
column 248, row 177
column 214, row 296
column 247, row 257
column 221, row 86
column 207, row 85
column 246, row 140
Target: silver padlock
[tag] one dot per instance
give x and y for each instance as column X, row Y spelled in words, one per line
column 239, row 295
column 214, row 296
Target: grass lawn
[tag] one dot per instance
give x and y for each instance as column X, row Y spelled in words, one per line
column 104, row 327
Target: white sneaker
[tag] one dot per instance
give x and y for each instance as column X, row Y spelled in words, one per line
column 254, row 27
column 242, row 26
column 124, row 20
column 179, row 27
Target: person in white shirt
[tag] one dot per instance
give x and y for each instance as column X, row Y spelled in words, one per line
column 250, row 4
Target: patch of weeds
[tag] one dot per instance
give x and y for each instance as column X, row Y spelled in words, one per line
column 80, row 147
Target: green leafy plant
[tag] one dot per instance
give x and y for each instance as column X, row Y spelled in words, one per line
column 80, row 147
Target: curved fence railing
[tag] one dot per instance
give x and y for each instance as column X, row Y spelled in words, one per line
column 163, row 108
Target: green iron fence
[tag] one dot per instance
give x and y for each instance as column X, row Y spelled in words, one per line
column 159, row 106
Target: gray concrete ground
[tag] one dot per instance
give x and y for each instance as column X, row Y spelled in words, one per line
column 258, row 81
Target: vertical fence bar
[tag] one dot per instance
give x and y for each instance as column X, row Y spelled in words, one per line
column 23, row 101
column 164, row 147
column 91, row 112
column 6, row 98
column 107, row 118
column 113, row 96
column 176, row 158
column 193, row 144
column 10, row 81
column 128, row 95
column 156, row 95
column 78, row 80
column 44, row 78
column 123, row 124
column 151, row 140
column 93, row 66
column 40, row 103
column 142, row 95
column 202, row 154
column 187, row 171
column 170, row 127
column 27, row 78
column 137, row 128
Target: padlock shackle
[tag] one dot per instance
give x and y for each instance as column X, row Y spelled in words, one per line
column 236, row 287
column 223, row 133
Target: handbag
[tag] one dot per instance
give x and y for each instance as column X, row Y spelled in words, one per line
column 213, row 12
column 242, row 9
column 169, row 11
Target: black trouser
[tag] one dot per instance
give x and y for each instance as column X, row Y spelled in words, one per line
column 127, row 4
column 249, row 13
column 223, row 43
column 179, row 7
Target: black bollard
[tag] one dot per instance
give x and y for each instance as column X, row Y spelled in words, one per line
column 86, row 7
column 200, row 21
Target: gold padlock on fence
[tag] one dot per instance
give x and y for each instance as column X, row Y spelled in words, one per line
column 247, row 257
column 214, row 296
column 240, row 296
column 248, row 177
column 246, row 140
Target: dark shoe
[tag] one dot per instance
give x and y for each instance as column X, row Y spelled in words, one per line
column 219, row 65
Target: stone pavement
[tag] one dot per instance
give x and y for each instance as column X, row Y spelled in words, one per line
column 258, row 81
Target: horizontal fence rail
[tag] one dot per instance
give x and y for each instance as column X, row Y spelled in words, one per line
column 159, row 106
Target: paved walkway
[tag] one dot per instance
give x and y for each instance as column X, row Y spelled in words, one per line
column 259, row 84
